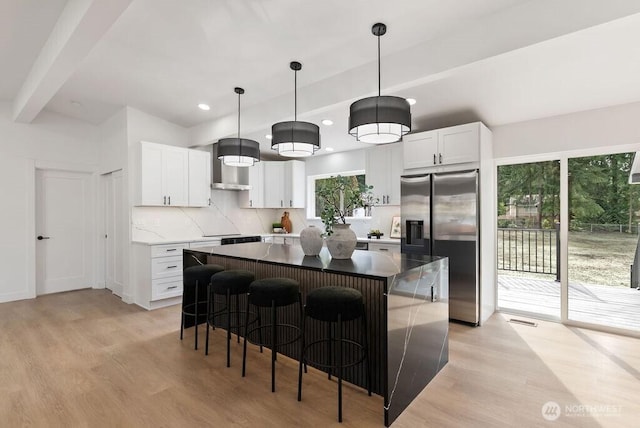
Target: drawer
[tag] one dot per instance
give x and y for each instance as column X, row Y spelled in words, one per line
column 166, row 267
column 201, row 244
column 165, row 288
column 166, row 250
column 387, row 248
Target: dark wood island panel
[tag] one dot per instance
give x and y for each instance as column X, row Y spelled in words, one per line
column 406, row 301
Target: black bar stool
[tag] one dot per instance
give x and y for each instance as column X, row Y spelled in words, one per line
column 196, row 279
column 271, row 293
column 335, row 305
column 227, row 283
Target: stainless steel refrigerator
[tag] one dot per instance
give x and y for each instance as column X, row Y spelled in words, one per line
column 440, row 217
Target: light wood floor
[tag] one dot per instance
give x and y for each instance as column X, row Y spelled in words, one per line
column 85, row 358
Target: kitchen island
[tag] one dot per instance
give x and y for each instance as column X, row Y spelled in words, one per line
column 406, row 301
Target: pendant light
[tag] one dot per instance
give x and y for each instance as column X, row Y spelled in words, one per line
column 238, row 151
column 295, row 139
column 381, row 119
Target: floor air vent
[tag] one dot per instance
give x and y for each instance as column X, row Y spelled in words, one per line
column 523, row 322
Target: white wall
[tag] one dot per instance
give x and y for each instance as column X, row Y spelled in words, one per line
column 113, row 142
column 593, row 129
column 50, row 141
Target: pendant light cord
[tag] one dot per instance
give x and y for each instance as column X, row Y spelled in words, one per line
column 295, row 95
column 238, row 117
column 379, row 78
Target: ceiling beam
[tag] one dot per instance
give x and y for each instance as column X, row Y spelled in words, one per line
column 80, row 26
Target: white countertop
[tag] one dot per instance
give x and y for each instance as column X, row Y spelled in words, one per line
column 382, row 240
column 161, row 241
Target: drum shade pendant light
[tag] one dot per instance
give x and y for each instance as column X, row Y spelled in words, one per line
column 381, row 119
column 238, row 151
column 295, row 139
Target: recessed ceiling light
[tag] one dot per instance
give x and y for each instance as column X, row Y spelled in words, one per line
column 327, row 122
column 268, row 136
column 329, row 149
column 411, row 101
column 204, row 107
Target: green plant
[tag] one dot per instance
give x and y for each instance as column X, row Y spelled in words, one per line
column 338, row 197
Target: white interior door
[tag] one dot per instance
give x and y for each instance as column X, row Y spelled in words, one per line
column 63, row 228
column 114, row 233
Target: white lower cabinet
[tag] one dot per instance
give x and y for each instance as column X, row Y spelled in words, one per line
column 385, row 248
column 165, row 288
column 158, row 274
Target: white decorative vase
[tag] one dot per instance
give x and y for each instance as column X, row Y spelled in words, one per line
column 342, row 241
column 311, row 241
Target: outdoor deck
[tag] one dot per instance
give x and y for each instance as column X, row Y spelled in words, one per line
column 610, row 306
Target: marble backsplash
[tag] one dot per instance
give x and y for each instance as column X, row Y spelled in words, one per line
column 225, row 216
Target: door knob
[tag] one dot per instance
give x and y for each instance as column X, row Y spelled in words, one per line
column 40, row 237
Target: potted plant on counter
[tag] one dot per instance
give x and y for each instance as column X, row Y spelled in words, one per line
column 338, row 197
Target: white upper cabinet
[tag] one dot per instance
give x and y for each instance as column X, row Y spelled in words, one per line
column 284, row 184
column 199, row 178
column 254, row 198
column 274, row 185
column 441, row 147
column 149, row 190
column 163, row 176
column 295, row 184
column 383, row 171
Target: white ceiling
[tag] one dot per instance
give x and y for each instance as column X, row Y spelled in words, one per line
column 499, row 61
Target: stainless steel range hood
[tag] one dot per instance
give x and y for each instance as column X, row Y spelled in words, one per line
column 227, row 177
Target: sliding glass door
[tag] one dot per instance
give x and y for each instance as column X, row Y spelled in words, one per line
column 568, row 240
column 604, row 211
column 527, row 241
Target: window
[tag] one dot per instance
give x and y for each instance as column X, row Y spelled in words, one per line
column 314, row 205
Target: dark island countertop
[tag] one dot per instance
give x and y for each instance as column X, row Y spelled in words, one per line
column 372, row 264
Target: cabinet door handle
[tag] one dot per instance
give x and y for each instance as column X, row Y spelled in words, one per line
column 434, row 158
column 439, row 156
column 281, row 203
column 40, row 238
column 164, row 202
column 383, row 249
column 209, row 202
column 290, row 203
column 169, row 200
column 172, row 287
column 251, row 202
column 172, row 249
column 171, row 267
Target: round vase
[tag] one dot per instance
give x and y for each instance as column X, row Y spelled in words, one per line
column 311, row 241
column 342, row 241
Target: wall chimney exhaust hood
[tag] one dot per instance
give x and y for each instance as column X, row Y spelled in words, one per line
column 227, row 177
